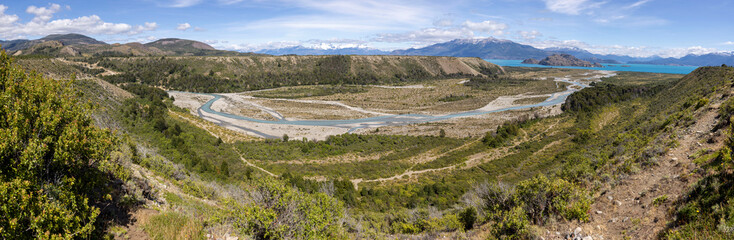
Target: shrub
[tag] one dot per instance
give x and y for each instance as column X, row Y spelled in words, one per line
column 281, row 212
column 468, row 217
column 53, row 162
column 543, row 198
column 513, row 225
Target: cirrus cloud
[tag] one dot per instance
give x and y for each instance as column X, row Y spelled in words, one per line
column 571, row 7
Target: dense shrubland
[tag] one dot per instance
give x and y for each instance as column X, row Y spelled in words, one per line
column 55, row 166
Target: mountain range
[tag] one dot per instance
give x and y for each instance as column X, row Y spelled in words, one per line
column 57, row 45
column 486, row 48
column 492, row 48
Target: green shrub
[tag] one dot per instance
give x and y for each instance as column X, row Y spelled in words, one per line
column 468, row 217
column 660, row 200
column 281, row 212
column 542, row 198
column 54, row 164
column 514, row 224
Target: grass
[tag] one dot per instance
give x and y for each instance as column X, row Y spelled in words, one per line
column 454, row 98
column 173, row 225
column 531, row 100
column 310, row 91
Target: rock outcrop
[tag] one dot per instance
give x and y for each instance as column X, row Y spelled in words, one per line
column 562, row 60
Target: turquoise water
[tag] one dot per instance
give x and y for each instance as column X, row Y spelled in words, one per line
column 611, row 67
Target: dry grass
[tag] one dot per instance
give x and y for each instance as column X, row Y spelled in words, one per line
column 426, row 100
column 301, row 110
column 226, row 135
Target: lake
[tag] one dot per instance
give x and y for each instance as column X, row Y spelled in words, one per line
column 610, row 67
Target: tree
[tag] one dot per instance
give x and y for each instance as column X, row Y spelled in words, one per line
column 442, row 133
column 468, row 217
column 224, row 167
column 52, row 158
column 285, row 137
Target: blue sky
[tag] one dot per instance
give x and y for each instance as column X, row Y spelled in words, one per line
column 669, row 28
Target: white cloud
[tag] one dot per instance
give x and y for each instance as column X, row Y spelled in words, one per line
column 314, row 22
column 183, row 26
column 389, row 10
column 633, row 51
column 443, row 22
column 148, row 26
column 426, row 35
column 637, row 4
column 229, row 2
column 729, row 43
column 368, row 16
column 246, row 47
column 529, row 35
column 6, row 20
column 570, row 7
column 182, row 3
column 335, row 43
column 489, row 27
column 41, row 24
column 43, row 14
column 542, row 19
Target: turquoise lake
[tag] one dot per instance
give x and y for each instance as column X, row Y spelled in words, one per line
column 610, row 67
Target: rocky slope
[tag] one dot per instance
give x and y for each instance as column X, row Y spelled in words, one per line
column 241, row 73
column 562, row 60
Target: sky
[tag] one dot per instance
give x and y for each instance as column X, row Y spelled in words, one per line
column 639, row 28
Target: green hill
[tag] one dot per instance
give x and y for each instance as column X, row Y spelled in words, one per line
column 77, row 45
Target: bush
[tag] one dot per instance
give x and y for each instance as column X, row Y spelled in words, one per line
column 533, row 200
column 281, row 212
column 542, row 198
column 468, row 217
column 54, row 164
column 513, row 225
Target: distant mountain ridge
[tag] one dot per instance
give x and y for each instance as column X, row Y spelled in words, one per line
column 711, row 59
column 488, row 48
column 57, row 45
column 492, row 48
column 301, row 50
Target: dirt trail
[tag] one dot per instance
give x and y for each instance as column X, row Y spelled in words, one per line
column 472, row 161
column 248, row 163
column 627, row 209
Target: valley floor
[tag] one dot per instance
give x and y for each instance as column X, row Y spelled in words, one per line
column 320, row 117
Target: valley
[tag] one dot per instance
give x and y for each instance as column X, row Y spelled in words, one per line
column 241, row 146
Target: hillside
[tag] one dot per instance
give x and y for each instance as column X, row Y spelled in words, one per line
column 489, row 48
column 561, row 60
column 77, row 45
column 634, row 138
column 234, row 74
